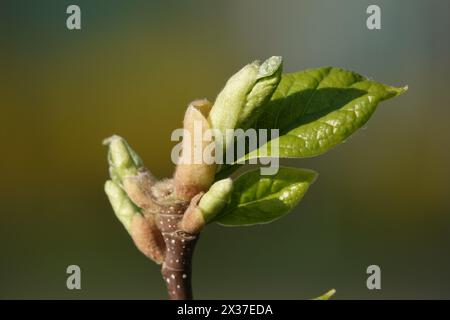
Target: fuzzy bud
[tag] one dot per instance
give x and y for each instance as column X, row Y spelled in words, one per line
column 193, row 221
column 147, row 237
column 193, row 174
column 139, row 189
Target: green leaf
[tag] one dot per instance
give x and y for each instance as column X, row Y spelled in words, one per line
column 326, row 296
column 317, row 109
column 261, row 199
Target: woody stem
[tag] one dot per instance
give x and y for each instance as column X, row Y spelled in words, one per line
column 177, row 266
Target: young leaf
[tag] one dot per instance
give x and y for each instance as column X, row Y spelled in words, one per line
column 123, row 160
column 316, row 109
column 261, row 199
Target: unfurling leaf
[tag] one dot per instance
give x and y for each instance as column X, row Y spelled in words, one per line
column 245, row 93
column 123, row 161
column 261, row 199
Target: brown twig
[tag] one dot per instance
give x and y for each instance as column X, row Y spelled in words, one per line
column 177, row 266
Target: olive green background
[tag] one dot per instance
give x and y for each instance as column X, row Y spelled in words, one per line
column 381, row 198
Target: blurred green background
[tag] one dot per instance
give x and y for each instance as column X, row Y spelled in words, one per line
column 380, row 199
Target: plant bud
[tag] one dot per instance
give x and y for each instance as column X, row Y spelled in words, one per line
column 123, row 207
column 193, row 221
column 138, row 189
column 269, row 75
column 147, row 237
column 123, row 161
column 143, row 230
column 217, row 197
column 229, row 102
column 203, row 208
column 193, row 174
column 240, row 101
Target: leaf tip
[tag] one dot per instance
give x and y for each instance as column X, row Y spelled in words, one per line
column 314, row 176
column 327, row 295
column 396, row 91
column 270, row 66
